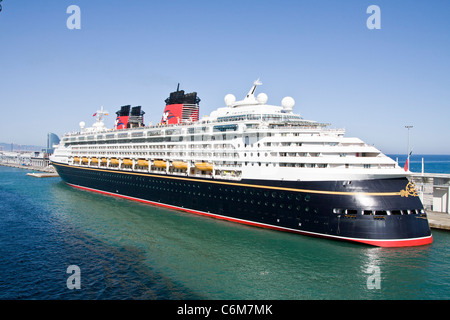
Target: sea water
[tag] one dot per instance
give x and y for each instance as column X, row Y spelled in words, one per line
column 431, row 163
column 128, row 250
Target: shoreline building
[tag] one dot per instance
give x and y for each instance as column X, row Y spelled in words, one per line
column 31, row 158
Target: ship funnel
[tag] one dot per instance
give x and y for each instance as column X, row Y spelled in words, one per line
column 181, row 107
column 129, row 117
column 122, row 117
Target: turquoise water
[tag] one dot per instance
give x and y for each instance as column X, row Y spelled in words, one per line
column 432, row 163
column 128, row 250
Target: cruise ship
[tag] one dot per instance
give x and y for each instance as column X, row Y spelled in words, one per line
column 252, row 163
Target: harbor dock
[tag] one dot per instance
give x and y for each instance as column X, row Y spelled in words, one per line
column 438, row 220
column 47, row 171
column 434, row 191
column 43, row 175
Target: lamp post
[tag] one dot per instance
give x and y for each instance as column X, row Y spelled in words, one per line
column 407, row 160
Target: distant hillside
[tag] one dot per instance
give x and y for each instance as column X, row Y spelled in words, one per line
column 16, row 147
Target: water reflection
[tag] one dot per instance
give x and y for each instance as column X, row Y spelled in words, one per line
column 403, row 272
column 215, row 259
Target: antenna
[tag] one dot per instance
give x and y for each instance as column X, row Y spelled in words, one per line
column 100, row 113
column 252, row 90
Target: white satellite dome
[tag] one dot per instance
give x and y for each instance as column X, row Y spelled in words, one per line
column 262, row 98
column 229, row 99
column 82, row 124
column 288, row 103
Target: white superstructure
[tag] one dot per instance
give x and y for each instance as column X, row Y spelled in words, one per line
column 246, row 139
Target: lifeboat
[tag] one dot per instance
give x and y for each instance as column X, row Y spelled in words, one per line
column 143, row 163
column 204, row 166
column 94, row 160
column 160, row 164
column 76, row 159
column 114, row 161
column 180, row 165
column 84, row 160
column 104, row 160
column 128, row 162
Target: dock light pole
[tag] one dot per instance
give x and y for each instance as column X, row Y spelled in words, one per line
column 409, row 152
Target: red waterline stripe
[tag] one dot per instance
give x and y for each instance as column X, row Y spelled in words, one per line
column 378, row 243
column 399, row 243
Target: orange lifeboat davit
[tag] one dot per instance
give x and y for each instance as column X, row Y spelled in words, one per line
column 127, row 162
column 180, row 165
column 160, row 164
column 142, row 163
column 204, row 166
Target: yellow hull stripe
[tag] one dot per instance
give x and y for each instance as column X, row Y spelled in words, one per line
column 378, row 194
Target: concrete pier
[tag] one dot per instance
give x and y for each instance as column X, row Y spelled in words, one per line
column 438, row 220
column 43, row 175
column 48, row 169
column 433, row 190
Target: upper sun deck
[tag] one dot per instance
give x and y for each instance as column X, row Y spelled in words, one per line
column 245, row 139
column 251, row 112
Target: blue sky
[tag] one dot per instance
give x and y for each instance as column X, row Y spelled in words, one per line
column 370, row 82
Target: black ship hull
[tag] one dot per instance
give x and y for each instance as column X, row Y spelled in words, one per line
column 383, row 212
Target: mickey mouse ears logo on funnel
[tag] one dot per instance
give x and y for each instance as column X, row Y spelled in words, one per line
column 119, row 122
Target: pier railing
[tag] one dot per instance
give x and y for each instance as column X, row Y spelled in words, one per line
column 433, row 190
